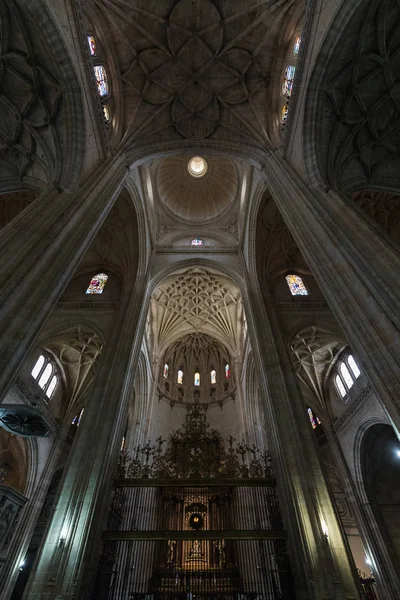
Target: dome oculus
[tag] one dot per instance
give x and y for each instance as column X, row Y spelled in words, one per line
column 197, row 166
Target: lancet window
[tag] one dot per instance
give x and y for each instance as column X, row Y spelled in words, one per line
column 213, row 377
column 314, row 420
column 100, row 72
column 347, row 372
column 197, row 378
column 165, row 371
column 180, row 377
column 227, row 371
column 45, row 374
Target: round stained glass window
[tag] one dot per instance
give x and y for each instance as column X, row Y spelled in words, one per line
column 197, row 166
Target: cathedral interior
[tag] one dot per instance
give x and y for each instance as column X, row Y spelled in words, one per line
column 200, row 292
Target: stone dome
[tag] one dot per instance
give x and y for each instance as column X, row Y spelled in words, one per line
column 197, row 197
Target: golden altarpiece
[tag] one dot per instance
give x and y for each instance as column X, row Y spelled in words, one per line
column 194, row 518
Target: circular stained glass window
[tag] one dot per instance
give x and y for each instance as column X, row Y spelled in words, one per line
column 197, row 166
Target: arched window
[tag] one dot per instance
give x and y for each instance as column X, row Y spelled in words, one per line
column 52, row 386
column 197, row 242
column 296, row 285
column 77, row 419
column 296, row 45
column 340, row 386
column 313, row 420
column 213, row 377
column 197, row 378
column 227, row 371
column 45, row 375
column 92, row 45
column 180, row 377
column 346, row 375
column 284, row 113
column 353, row 366
column 101, row 80
column 97, row 284
column 38, row 366
column 287, row 85
column 106, row 112
column 165, row 372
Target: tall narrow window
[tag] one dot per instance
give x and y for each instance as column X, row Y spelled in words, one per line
column 97, row 284
column 165, row 372
column 101, row 80
column 213, row 377
column 296, row 285
column 92, row 45
column 353, row 366
column 340, row 386
column 288, row 80
column 77, row 419
column 197, row 242
column 52, row 386
column 197, row 378
column 45, row 375
column 227, row 371
column 313, row 419
column 38, row 367
column 180, row 376
column 346, row 375
column 296, row 45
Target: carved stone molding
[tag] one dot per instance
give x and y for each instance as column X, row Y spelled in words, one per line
column 107, row 306
column 354, row 403
column 301, row 306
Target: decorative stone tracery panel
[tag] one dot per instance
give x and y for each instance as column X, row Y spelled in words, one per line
column 356, row 93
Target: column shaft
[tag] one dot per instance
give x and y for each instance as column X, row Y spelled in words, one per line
column 322, row 564
column 356, row 266
column 67, row 564
column 39, row 252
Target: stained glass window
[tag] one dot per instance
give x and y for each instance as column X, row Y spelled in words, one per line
column 340, row 386
column 227, row 371
column 296, row 285
column 296, row 45
column 38, row 367
column 197, row 242
column 96, row 286
column 92, row 45
column 288, row 81
column 180, row 376
column 52, row 386
column 312, row 420
column 284, row 113
column 346, row 375
column 353, row 366
column 77, row 419
column 165, row 372
column 213, row 377
column 45, row 375
column 101, row 80
column 197, row 378
column 106, row 112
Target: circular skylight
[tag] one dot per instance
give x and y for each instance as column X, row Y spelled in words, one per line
column 197, row 166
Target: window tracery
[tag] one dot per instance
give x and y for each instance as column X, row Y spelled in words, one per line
column 45, row 374
column 347, row 373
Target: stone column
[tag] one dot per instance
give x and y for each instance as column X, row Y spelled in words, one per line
column 356, row 266
column 319, row 555
column 39, row 252
column 384, row 571
column 67, row 563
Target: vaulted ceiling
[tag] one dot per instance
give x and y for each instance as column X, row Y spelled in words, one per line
column 194, row 69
